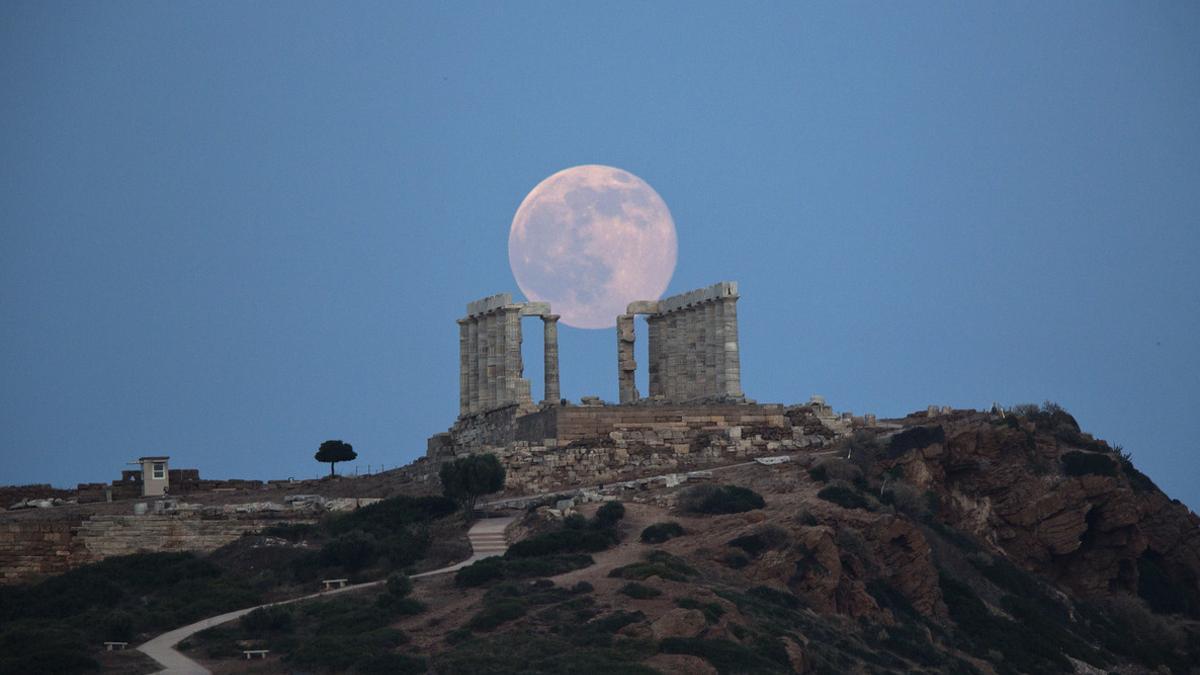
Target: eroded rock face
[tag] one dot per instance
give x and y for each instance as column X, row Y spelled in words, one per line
column 1003, row 482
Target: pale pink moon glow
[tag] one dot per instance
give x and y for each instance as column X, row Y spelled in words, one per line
column 589, row 240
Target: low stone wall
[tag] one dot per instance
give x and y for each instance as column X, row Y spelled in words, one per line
column 30, row 548
column 35, row 547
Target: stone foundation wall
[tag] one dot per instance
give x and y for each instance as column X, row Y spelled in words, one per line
column 573, row 446
column 35, row 547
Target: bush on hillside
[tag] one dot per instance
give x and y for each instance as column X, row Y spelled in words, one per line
column 562, row 541
column 656, row 563
column 660, row 532
column 722, row 499
column 609, row 514
column 1076, row 463
column 912, row 439
column 845, row 497
column 835, row 468
column 494, row 569
column 761, row 540
column 639, row 591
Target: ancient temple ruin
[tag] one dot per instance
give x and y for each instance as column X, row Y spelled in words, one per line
column 489, row 354
column 694, row 415
column 693, row 346
column 693, row 350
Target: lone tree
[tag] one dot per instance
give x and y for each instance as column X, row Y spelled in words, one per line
column 334, row 452
column 466, row 479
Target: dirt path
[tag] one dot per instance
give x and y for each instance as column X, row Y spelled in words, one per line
column 487, row 540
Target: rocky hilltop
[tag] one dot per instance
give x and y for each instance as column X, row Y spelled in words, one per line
column 945, row 541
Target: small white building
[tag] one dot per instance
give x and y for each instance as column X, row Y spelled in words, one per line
column 154, row 475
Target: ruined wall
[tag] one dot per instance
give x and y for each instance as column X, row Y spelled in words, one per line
column 36, row 547
column 574, row 446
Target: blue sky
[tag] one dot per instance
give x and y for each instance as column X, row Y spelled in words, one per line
column 230, row 231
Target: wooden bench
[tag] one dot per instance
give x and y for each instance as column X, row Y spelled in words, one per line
column 260, row 653
column 115, row 646
column 334, row 583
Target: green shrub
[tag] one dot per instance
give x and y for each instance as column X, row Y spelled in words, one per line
column 725, row 656
column 562, row 541
column 915, row 438
column 492, row 569
column 761, row 540
column 390, row 664
column 835, row 468
column 351, row 551
column 713, row 499
column 391, row 515
column 291, row 531
column 1139, row 481
column 1076, row 463
column 777, row 597
column 639, row 591
column 497, row 613
column 339, row 652
column 657, row 563
column 575, row 521
column 660, row 532
column 399, row 585
column 269, row 620
column 844, row 496
column 609, row 514
column 118, row 627
column 712, row 611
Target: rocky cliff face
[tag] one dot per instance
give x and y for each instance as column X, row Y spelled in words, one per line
column 1060, row 504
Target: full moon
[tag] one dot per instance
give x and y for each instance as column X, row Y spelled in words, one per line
column 589, row 240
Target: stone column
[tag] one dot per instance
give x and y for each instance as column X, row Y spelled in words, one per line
column 626, row 364
column 654, row 343
column 711, row 347
column 473, row 363
column 496, row 358
column 487, row 362
column 464, row 368
column 674, row 355
column 719, row 348
column 731, row 360
column 687, row 357
column 550, row 353
column 512, row 366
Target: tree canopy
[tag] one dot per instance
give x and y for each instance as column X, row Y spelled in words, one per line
column 334, row 452
column 468, row 478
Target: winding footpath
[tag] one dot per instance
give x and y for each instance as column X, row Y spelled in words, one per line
column 486, row 538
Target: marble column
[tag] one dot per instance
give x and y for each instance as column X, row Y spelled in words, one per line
column 731, row 364
column 711, row 347
column 496, row 358
column 473, row 363
column 550, row 354
column 464, row 368
column 674, row 355
column 719, row 348
column 487, row 365
column 654, row 350
column 626, row 364
column 511, row 367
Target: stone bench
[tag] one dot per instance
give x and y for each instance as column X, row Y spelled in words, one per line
column 260, row 653
column 115, row 646
column 334, row 583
